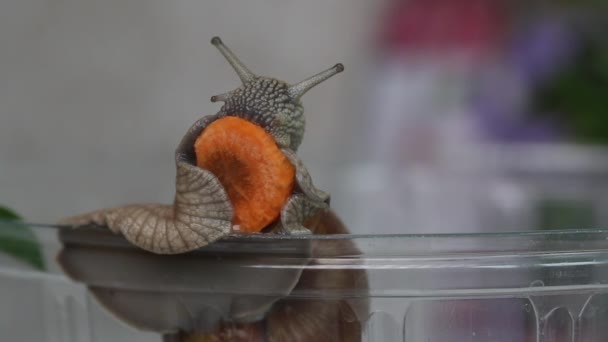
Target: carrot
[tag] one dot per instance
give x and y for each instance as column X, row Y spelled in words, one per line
column 255, row 173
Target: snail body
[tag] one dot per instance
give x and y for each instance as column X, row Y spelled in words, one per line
column 203, row 211
column 303, row 319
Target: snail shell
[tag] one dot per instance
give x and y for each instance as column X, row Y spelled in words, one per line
column 305, row 319
column 202, row 212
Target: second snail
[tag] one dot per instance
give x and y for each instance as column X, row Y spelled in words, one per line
column 237, row 171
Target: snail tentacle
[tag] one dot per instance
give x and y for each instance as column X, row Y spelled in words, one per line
column 297, row 90
column 221, row 97
column 244, row 73
column 304, row 179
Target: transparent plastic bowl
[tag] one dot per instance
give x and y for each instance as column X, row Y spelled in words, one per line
column 530, row 286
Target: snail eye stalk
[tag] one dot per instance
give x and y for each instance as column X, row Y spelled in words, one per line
column 297, row 90
column 244, row 73
column 221, row 97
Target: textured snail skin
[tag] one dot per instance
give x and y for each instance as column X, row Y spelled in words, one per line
column 266, row 102
column 202, row 212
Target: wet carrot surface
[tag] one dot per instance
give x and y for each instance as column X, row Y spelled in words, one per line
column 255, row 173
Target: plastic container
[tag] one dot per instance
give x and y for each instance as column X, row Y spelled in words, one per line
column 536, row 286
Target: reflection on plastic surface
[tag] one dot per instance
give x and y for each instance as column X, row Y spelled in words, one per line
column 537, row 287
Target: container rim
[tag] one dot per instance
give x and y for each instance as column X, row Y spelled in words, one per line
column 557, row 233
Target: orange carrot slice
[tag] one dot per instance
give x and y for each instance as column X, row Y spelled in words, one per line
column 255, row 173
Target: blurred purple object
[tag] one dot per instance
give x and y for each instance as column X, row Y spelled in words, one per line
column 501, row 102
column 541, row 50
column 498, row 126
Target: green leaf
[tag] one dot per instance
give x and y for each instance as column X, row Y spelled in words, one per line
column 7, row 214
column 576, row 96
column 18, row 240
column 565, row 214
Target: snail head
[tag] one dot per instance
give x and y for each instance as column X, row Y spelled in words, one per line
column 268, row 102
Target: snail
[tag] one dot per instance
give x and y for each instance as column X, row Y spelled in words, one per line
column 236, row 171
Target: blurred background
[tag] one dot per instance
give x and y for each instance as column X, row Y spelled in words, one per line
column 452, row 116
